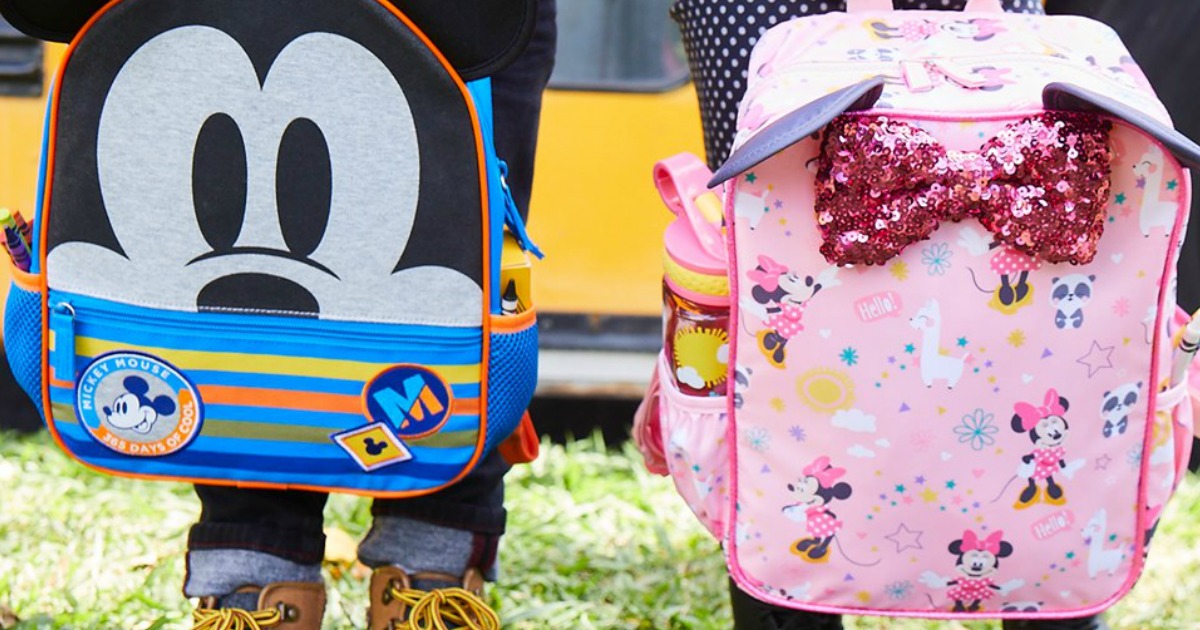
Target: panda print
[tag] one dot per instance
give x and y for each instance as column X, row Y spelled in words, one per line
column 1068, row 295
column 1117, row 406
column 322, row 167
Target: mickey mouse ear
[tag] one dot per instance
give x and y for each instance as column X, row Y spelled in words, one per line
column 51, row 20
column 478, row 40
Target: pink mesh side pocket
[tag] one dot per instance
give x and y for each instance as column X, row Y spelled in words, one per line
column 697, row 453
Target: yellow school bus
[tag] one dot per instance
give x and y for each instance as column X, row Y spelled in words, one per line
column 26, row 70
column 619, row 100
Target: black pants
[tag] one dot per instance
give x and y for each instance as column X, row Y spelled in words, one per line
column 288, row 524
column 751, row 614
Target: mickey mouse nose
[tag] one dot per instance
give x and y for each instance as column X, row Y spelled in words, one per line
column 257, row 292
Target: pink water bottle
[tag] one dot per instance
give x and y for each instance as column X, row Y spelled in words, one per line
column 695, row 281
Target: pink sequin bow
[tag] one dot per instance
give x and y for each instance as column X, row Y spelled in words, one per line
column 824, row 473
column 1040, row 186
column 991, row 544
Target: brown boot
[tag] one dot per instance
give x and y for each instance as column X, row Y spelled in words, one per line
column 395, row 605
column 281, row 606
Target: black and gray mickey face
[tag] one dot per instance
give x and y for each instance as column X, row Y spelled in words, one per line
column 297, row 171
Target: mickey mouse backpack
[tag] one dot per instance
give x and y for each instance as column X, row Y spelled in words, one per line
column 951, row 380
column 268, row 248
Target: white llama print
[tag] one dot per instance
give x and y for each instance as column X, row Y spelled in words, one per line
column 1156, row 212
column 934, row 365
column 1099, row 557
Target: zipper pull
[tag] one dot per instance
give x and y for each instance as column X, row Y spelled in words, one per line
column 62, row 324
column 512, row 216
column 916, row 75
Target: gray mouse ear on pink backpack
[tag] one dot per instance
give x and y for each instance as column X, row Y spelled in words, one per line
column 798, row 125
column 1071, row 97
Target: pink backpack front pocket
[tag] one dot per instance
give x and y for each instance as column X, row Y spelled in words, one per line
column 694, row 439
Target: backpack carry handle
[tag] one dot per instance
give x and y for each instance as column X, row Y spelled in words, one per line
column 973, row 6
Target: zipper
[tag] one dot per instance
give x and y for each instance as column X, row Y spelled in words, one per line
column 917, row 72
column 64, row 313
column 62, row 323
column 512, row 216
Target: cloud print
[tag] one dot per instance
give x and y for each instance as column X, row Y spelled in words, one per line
column 690, row 377
column 855, row 420
column 860, row 451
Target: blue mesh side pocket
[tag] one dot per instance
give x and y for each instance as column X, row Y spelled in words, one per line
column 23, row 341
column 512, row 377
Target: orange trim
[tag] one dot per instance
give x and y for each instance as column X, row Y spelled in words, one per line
column 514, row 323
column 522, row 446
column 52, row 135
column 55, row 382
column 25, row 280
column 487, row 245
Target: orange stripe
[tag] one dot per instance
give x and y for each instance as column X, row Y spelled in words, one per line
column 279, row 399
column 301, row 401
column 54, row 382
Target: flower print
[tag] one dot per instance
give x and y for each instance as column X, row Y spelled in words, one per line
column 899, row 590
column 977, row 429
column 1120, row 308
column 936, row 258
column 849, row 356
column 757, row 439
column 797, row 433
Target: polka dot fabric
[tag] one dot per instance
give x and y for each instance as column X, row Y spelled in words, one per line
column 719, row 34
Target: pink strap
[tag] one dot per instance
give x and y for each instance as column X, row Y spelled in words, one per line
column 680, row 179
column 973, row 6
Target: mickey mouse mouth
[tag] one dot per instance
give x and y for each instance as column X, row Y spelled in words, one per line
column 265, row 251
column 257, row 292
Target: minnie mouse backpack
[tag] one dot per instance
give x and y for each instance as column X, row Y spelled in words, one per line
column 952, row 382
column 268, row 246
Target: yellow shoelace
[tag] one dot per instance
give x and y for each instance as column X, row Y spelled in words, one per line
column 235, row 619
column 430, row 610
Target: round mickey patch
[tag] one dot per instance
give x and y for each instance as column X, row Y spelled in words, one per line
column 414, row 400
column 138, row 405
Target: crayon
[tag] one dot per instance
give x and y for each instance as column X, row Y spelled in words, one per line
column 23, row 227
column 16, row 249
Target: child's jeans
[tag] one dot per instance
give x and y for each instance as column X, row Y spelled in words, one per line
column 261, row 536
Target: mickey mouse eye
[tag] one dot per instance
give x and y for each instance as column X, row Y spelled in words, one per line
column 303, row 186
column 219, row 181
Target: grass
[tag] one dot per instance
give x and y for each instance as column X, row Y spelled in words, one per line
column 594, row 542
